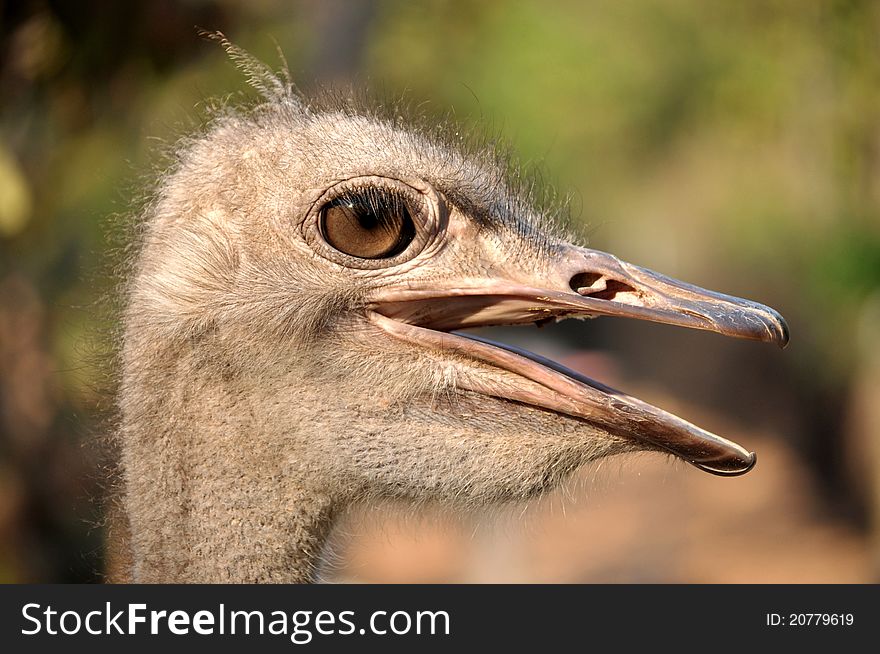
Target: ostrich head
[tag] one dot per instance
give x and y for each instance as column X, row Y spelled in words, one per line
column 291, row 340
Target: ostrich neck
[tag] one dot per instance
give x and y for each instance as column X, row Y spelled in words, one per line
column 212, row 495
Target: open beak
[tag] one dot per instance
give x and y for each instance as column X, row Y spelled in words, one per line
column 581, row 283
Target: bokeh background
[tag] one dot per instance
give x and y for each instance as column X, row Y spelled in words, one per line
column 735, row 145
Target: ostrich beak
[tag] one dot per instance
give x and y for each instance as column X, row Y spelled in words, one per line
column 579, row 283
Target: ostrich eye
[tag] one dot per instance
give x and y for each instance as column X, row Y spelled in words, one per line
column 371, row 225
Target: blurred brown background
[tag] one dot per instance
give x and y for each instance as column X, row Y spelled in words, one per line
column 734, row 145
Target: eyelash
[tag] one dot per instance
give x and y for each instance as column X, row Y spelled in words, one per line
column 378, row 200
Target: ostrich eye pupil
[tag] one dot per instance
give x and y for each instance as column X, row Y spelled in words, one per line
column 368, row 227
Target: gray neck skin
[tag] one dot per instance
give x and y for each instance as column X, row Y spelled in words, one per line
column 214, row 492
column 211, row 519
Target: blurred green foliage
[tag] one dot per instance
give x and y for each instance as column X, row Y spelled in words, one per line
column 734, row 144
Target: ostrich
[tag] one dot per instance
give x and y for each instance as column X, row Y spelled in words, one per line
column 291, row 340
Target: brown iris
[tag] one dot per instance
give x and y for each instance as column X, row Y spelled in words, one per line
column 369, row 226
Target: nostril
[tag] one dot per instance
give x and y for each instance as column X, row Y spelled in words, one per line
column 598, row 286
column 583, row 282
column 612, row 288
